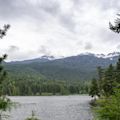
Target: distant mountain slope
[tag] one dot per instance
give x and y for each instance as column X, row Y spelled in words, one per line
column 37, row 60
column 80, row 67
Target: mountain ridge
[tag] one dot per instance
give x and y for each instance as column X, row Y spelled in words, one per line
column 79, row 67
column 47, row 58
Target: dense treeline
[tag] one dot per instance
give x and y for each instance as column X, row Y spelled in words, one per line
column 34, row 85
column 107, row 88
column 108, row 80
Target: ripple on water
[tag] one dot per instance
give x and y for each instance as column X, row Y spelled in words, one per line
column 52, row 108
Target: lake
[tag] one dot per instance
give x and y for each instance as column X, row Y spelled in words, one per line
column 52, row 107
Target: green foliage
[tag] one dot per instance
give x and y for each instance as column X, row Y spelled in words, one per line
column 108, row 80
column 94, row 89
column 32, row 85
column 109, row 107
column 5, row 103
column 117, row 71
column 2, row 71
column 96, row 85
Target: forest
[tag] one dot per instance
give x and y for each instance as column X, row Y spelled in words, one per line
column 106, row 89
column 34, row 85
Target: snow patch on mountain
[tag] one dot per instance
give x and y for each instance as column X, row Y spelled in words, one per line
column 109, row 55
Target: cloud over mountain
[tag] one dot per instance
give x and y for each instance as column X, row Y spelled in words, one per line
column 59, row 26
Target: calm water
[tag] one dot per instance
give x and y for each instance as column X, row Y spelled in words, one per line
column 52, row 108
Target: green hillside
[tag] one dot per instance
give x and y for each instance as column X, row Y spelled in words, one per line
column 75, row 68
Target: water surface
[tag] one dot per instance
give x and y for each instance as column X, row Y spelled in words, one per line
column 52, row 107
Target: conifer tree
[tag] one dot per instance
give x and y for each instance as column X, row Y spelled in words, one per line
column 100, row 78
column 108, row 82
column 4, row 30
column 116, row 27
column 94, row 90
column 5, row 102
column 117, row 71
column 2, row 71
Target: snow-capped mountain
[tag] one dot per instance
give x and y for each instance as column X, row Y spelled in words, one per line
column 109, row 55
column 48, row 57
column 79, row 67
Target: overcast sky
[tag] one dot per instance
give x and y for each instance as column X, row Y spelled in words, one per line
column 58, row 27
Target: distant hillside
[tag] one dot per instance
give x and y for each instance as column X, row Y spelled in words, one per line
column 80, row 67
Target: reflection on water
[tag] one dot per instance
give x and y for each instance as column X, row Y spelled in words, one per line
column 52, row 108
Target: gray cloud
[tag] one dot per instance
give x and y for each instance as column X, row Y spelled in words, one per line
column 76, row 2
column 18, row 8
column 5, row 8
column 108, row 36
column 88, row 46
column 67, row 21
column 12, row 9
column 50, row 6
column 13, row 48
column 44, row 51
column 53, row 8
column 105, row 5
column 75, row 25
column 118, row 47
column 40, row 11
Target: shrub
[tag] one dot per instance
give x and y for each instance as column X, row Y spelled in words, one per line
column 109, row 108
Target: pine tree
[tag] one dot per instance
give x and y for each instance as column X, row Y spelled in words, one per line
column 100, row 78
column 117, row 72
column 108, row 82
column 5, row 102
column 94, row 89
column 116, row 27
column 2, row 71
column 4, row 30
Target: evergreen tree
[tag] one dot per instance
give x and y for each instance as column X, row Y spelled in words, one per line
column 116, row 27
column 117, row 71
column 4, row 30
column 108, row 82
column 100, row 78
column 94, row 90
column 5, row 102
column 2, row 71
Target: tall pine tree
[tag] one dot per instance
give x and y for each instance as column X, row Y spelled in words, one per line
column 117, row 72
column 94, row 89
column 5, row 102
column 108, row 82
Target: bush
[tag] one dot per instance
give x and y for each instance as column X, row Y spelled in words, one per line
column 109, row 108
column 5, row 103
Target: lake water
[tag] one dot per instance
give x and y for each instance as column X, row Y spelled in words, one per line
column 52, row 108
